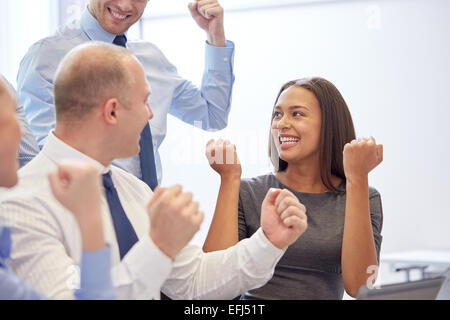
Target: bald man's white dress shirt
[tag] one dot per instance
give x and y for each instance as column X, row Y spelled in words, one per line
column 47, row 244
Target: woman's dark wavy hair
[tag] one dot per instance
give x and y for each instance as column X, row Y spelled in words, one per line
column 337, row 129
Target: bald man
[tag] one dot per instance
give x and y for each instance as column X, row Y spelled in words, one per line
column 28, row 147
column 67, row 182
column 10, row 135
column 101, row 100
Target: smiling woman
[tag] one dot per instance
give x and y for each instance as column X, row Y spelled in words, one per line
column 320, row 164
column 317, row 112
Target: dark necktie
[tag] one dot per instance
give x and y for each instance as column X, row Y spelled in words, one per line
column 146, row 155
column 120, row 40
column 125, row 234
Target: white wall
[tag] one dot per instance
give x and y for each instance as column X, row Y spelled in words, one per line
column 390, row 60
column 22, row 22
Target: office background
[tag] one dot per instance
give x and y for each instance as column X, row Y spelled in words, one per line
column 389, row 59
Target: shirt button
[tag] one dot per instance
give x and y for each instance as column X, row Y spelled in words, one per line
column 225, row 59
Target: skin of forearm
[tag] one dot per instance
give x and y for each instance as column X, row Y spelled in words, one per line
column 217, row 38
column 358, row 247
column 223, row 232
column 92, row 232
column 217, row 41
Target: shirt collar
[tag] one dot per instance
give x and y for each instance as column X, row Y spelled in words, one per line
column 5, row 245
column 93, row 29
column 59, row 151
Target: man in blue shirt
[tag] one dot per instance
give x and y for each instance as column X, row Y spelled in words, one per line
column 77, row 187
column 108, row 21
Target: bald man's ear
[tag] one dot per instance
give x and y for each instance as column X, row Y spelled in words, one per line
column 109, row 111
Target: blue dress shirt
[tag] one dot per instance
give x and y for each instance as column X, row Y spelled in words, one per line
column 207, row 107
column 28, row 148
column 95, row 282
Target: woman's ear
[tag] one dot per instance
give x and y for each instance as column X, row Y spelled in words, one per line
column 110, row 111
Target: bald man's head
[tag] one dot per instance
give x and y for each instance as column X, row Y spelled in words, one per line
column 101, row 101
column 3, row 86
column 89, row 75
column 10, row 135
column 7, row 93
column 3, row 91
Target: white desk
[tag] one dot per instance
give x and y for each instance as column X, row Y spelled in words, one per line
column 418, row 259
column 436, row 258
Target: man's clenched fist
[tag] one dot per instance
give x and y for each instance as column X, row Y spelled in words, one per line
column 283, row 218
column 174, row 219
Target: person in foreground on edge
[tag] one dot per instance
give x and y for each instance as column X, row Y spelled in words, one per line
column 108, row 21
column 316, row 157
column 101, row 100
column 77, row 187
column 28, row 147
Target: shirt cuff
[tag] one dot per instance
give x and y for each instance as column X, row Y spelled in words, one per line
column 220, row 58
column 95, row 282
column 263, row 251
column 148, row 266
